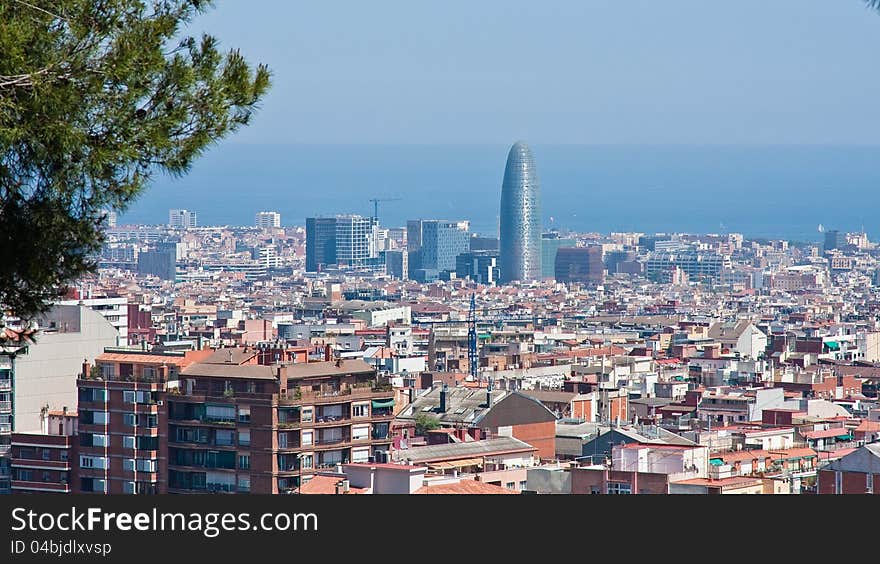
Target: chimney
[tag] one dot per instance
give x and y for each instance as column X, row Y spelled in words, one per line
column 64, row 410
column 412, row 394
column 86, row 369
column 163, row 373
column 327, row 352
column 443, row 399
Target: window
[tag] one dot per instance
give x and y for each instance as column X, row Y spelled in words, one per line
column 128, row 487
column 223, row 437
column 146, row 465
column 100, row 440
column 244, row 461
column 510, row 485
column 128, row 441
column 360, row 455
column 244, row 483
column 99, row 417
column 619, row 488
column 152, row 421
column 360, row 410
column 24, row 475
column 47, row 454
column 220, row 412
column 244, row 438
column 128, row 464
column 244, row 414
column 523, row 485
column 127, row 396
column 62, row 456
column 99, row 462
column 129, row 419
column 360, row 432
column 306, row 438
column 282, row 440
column 308, row 461
column 307, row 413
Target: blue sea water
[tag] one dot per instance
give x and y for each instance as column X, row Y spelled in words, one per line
column 776, row 191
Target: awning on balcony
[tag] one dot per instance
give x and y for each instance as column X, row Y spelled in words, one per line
column 380, row 404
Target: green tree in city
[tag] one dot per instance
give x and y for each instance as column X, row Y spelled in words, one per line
column 96, row 97
column 425, row 423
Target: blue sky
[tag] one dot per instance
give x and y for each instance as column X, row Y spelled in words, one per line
column 749, row 72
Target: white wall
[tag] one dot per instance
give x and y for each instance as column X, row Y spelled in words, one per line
column 47, row 373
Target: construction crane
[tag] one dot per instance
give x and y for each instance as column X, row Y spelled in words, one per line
column 472, row 338
column 376, row 206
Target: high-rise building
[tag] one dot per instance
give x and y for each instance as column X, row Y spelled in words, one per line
column 478, row 243
column 397, row 264
column 228, row 421
column 355, row 240
column 267, row 219
column 550, row 243
column 434, row 244
column 582, row 265
column 320, row 242
column 182, row 219
column 160, row 261
column 520, row 241
column 479, row 266
column 835, row 239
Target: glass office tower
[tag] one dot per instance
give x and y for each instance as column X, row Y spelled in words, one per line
column 520, row 245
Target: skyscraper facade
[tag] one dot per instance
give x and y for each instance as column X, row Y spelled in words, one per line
column 520, row 244
column 355, row 240
column 550, row 243
column 320, row 242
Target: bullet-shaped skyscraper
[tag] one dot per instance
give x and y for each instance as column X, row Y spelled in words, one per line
column 520, row 244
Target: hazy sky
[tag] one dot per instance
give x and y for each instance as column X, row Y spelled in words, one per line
column 560, row 71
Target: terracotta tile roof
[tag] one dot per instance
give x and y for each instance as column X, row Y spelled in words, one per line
column 868, row 426
column 135, row 358
column 466, row 487
column 826, row 433
column 326, row 485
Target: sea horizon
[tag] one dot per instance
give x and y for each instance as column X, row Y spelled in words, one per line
column 761, row 191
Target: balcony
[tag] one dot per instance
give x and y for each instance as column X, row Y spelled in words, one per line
column 5, row 427
column 5, row 406
column 335, row 396
column 222, row 488
column 320, row 442
column 5, row 385
column 48, row 487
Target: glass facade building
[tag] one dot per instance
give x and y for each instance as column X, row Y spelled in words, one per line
column 520, row 244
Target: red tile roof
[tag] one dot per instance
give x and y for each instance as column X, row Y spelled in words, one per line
column 326, row 485
column 826, row 433
column 467, row 487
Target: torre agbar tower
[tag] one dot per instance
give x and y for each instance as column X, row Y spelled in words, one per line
column 520, row 237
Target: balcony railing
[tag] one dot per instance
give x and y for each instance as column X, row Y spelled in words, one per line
column 5, row 427
column 5, row 385
column 220, row 487
column 333, row 441
column 5, row 406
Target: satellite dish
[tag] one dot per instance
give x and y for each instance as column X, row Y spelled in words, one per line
column 821, row 228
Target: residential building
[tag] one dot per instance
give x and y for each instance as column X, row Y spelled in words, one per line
column 182, row 219
column 267, row 219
